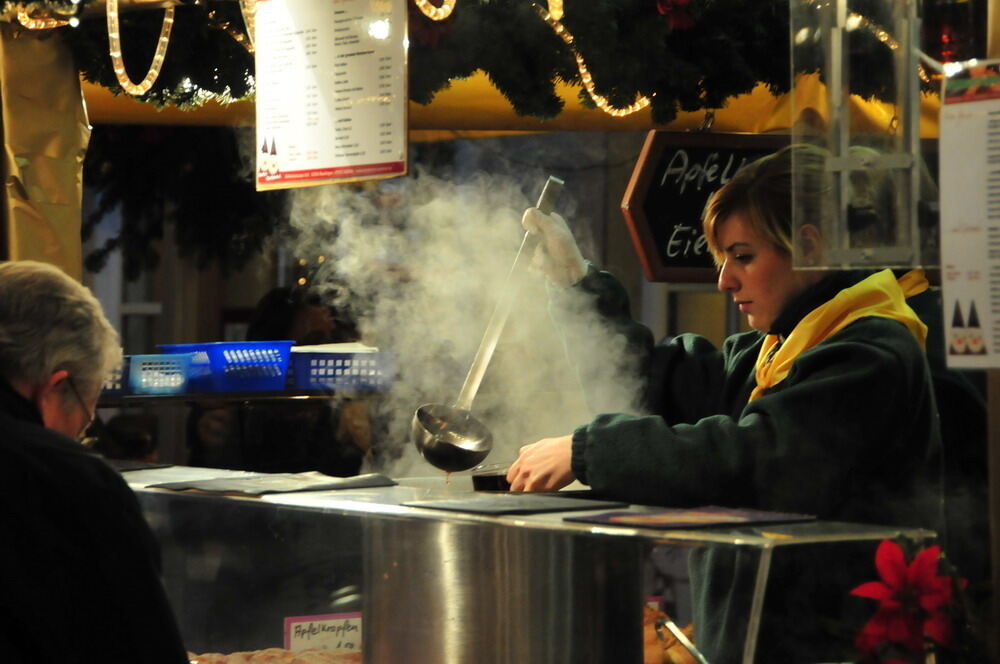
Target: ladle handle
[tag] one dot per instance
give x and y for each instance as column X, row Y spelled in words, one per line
column 546, row 202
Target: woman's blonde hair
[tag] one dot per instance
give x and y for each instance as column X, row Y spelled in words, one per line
column 762, row 192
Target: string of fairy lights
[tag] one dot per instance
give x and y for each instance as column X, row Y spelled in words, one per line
column 552, row 13
column 115, row 47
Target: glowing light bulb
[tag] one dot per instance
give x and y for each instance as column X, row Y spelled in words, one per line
column 379, row 29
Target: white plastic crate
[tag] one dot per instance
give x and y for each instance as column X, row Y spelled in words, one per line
column 159, row 374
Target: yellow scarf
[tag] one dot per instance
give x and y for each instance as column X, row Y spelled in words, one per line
column 878, row 295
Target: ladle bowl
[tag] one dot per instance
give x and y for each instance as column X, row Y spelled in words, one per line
column 450, row 438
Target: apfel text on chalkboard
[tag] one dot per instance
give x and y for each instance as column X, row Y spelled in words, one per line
column 682, row 170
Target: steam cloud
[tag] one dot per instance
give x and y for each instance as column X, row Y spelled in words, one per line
column 422, row 261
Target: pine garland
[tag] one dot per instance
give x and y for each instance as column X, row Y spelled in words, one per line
column 696, row 55
column 682, row 54
column 207, row 193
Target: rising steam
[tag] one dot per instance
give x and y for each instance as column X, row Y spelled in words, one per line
column 421, row 261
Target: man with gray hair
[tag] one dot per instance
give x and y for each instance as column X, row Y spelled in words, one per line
column 78, row 564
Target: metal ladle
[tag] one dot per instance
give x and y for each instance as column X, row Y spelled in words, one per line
column 449, row 437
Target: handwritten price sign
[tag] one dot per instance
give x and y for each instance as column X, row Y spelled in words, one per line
column 336, row 632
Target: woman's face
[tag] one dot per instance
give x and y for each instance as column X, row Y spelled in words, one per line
column 755, row 273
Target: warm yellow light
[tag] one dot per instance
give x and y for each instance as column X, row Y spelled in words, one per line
column 115, row 51
column 585, row 77
column 43, row 22
column 556, row 9
column 436, row 13
column 248, row 8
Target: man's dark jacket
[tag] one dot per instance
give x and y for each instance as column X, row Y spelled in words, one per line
column 78, row 565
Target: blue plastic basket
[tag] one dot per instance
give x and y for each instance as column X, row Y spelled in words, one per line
column 200, row 376
column 238, row 366
column 159, row 374
column 340, row 371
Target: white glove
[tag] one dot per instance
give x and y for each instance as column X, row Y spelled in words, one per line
column 556, row 255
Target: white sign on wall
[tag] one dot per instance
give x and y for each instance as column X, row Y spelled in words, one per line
column 331, row 91
column 970, row 215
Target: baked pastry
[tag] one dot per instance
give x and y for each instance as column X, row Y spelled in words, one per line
column 278, row 656
column 659, row 645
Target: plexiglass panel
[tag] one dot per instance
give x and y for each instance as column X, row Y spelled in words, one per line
column 865, row 190
column 246, row 575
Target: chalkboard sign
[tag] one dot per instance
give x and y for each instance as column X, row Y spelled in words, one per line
column 672, row 180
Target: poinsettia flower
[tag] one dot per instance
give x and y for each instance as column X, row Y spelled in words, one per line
column 911, row 597
column 904, row 584
column 872, row 635
column 891, row 626
column 675, row 13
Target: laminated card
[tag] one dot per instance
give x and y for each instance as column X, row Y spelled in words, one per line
column 331, row 91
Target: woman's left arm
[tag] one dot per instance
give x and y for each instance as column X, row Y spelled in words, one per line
column 855, row 413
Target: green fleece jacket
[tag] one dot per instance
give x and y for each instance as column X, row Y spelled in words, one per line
column 850, row 434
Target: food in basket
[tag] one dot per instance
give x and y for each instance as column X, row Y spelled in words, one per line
column 277, row 656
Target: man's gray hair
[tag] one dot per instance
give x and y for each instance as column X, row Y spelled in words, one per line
column 50, row 322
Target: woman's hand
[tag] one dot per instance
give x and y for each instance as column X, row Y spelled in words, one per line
column 557, row 255
column 543, row 466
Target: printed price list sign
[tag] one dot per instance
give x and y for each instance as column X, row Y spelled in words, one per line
column 331, row 91
column 336, row 632
column 970, row 215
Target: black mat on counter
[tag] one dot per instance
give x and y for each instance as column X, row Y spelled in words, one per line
column 514, row 503
column 257, row 485
column 125, row 465
column 708, row 516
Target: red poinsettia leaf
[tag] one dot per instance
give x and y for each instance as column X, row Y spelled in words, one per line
column 873, row 634
column 667, row 6
column 878, row 624
column 937, row 627
column 680, row 20
column 891, row 563
column 873, row 590
column 906, row 628
column 939, row 597
column 923, row 570
column 867, row 644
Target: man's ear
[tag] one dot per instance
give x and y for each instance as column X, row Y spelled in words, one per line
column 48, row 395
column 809, row 241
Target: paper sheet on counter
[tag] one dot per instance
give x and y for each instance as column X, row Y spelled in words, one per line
column 258, row 485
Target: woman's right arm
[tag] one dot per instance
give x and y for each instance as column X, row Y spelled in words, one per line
column 682, row 380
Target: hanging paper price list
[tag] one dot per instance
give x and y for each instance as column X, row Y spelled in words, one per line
column 970, row 216
column 331, row 91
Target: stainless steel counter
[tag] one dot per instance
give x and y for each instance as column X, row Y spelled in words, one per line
column 435, row 587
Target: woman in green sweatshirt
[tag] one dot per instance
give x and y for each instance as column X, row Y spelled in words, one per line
column 825, row 408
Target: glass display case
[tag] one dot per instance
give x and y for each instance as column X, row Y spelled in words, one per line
column 877, row 205
column 421, row 585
